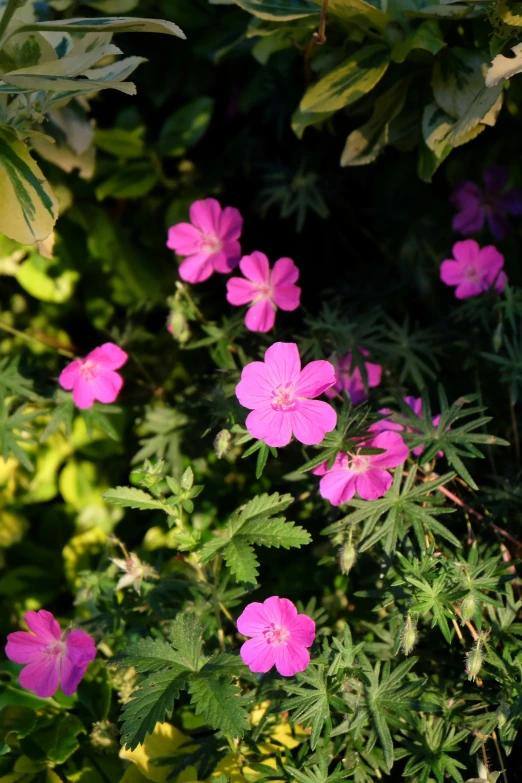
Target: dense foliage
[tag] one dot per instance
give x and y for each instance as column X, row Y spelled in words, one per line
column 340, row 130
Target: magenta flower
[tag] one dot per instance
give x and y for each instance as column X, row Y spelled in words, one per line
column 50, row 655
column 366, row 475
column 493, row 204
column 387, row 425
column 279, row 395
column 473, row 269
column 280, row 636
column 351, row 381
column 210, row 240
column 266, row 289
column 93, row 378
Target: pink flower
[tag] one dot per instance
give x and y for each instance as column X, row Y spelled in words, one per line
column 473, row 269
column 352, row 381
column 387, row 425
column 50, row 655
column 93, row 378
column 366, row 475
column 266, row 289
column 280, row 636
column 278, row 393
column 493, row 204
column 209, row 241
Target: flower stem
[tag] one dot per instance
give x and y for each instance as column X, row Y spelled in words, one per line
column 29, row 338
column 11, row 7
column 216, row 605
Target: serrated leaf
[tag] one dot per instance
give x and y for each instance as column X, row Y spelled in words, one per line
column 275, row 533
column 11, row 382
column 132, row 497
column 218, row 702
column 150, row 655
column 186, row 636
column 151, row 703
column 240, row 557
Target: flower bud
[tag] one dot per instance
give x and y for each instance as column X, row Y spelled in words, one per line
column 104, row 736
column 222, row 443
column 474, row 661
column 178, row 326
column 348, row 556
column 409, row 636
column 468, row 607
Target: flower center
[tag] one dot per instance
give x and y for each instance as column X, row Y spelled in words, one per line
column 277, row 635
column 265, row 290
column 472, row 274
column 359, row 463
column 88, row 370
column 55, row 648
column 210, row 243
column 284, row 399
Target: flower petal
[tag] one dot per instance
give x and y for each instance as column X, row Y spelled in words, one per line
column 373, row 484
column 185, row 239
column 42, row 676
column 338, row 486
column 490, row 262
column 284, row 363
column 83, row 394
column 108, row 356
column 466, row 195
column 311, row 420
column 205, row 214
column 284, row 273
column 468, row 288
column 396, row 450
column 287, row 297
column 314, row 379
column 230, row 224
column 290, row 659
column 495, row 178
column 43, row 624
column 466, row 252
column 23, row 647
column 451, row 272
column 226, row 259
column 302, row 630
column 279, row 611
column 256, row 386
column 71, row 675
column 106, row 386
column 69, row 375
column 498, row 223
column 80, row 647
column 469, row 221
column 196, row 268
column 260, row 316
column 257, row 654
column 256, row 268
column 274, row 427
column 253, row 620
column 240, row 291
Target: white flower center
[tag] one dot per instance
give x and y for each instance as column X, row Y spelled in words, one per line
column 284, row 399
column 55, row 648
column 211, row 243
column 359, row 463
column 89, row 370
column 277, row 635
column 472, row 274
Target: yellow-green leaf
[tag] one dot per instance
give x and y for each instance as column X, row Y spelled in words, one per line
column 357, row 12
column 110, row 24
column 28, row 208
column 279, row 10
column 348, row 82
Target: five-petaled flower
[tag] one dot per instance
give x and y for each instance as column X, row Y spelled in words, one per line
column 209, row 241
column 365, row 474
column 388, row 424
column 266, row 289
column 50, row 655
column 493, row 204
column 134, row 572
column 279, row 395
column 94, row 378
column 473, row 269
column 280, row 636
column 349, row 379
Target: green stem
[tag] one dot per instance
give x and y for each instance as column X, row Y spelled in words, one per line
column 215, row 603
column 29, row 338
column 10, row 9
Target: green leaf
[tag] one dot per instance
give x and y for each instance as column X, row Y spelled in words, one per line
column 275, row 533
column 367, row 142
column 134, row 180
column 242, row 561
column 28, row 208
column 279, row 10
column 132, row 497
column 112, row 24
column 348, row 82
column 14, row 433
column 120, row 142
column 59, row 740
column 11, row 382
column 186, row 636
column 187, row 479
column 47, row 279
column 427, row 37
column 150, row 655
column 218, row 702
column 186, row 127
column 309, row 700
column 151, row 703
column 357, row 12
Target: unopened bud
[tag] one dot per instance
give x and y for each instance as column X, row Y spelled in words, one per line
column 503, row 713
column 409, row 636
column 104, row 736
column 348, row 556
column 222, row 443
column 178, row 326
column 468, row 607
column 474, row 661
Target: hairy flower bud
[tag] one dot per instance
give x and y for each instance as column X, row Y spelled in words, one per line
column 468, row 607
column 222, row 443
column 474, row 661
column 178, row 326
column 409, row 636
column 348, row 556
column 104, row 736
